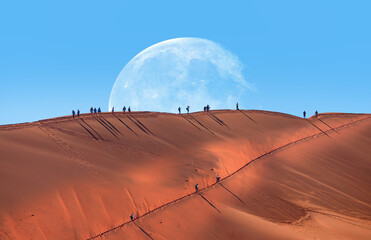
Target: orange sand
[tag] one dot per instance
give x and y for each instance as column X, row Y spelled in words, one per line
column 282, row 177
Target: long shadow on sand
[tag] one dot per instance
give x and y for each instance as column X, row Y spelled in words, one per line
column 191, row 122
column 327, row 125
column 201, row 124
column 209, row 203
column 125, row 125
column 140, row 125
column 218, row 120
column 105, row 126
column 141, row 128
column 92, row 129
column 318, row 128
column 112, row 126
column 100, row 119
column 231, row 192
column 143, row 231
column 247, row 116
column 91, row 134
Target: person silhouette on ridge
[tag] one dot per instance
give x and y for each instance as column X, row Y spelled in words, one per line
column 304, row 114
column 196, row 187
column 132, row 217
column 99, row 111
column 237, row 106
column 179, row 110
column 91, row 110
column 73, row 113
column 95, row 110
column 113, row 109
column 129, row 110
column 78, row 112
column 217, row 178
column 124, row 109
column 316, row 114
column 187, row 108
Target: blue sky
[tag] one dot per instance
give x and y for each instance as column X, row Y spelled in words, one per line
column 61, row 55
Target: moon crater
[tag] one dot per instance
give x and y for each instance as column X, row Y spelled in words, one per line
column 180, row 72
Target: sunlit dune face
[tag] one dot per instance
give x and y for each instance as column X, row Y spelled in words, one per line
column 280, row 176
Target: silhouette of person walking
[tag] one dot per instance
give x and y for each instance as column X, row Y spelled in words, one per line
column 73, row 113
column 196, row 187
column 132, row 217
column 78, row 112
column 113, row 109
column 179, row 110
column 237, row 106
column 187, row 108
column 207, row 107
column 124, row 109
column 95, row 110
column 316, row 114
column 304, row 114
column 204, row 109
column 99, row 111
column 129, row 110
column 91, row 110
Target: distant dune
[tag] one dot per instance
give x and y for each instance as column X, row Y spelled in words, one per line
column 281, row 177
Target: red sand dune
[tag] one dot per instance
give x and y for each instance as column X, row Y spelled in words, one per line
column 282, row 177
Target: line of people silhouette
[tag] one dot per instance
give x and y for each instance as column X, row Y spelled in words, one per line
column 206, row 109
column 73, row 113
column 305, row 114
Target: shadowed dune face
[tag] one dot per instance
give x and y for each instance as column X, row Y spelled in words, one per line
column 282, row 177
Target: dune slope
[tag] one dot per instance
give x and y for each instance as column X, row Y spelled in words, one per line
column 282, row 177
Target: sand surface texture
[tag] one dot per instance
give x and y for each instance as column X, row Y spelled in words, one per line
column 282, row 177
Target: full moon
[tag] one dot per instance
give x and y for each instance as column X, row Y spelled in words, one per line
column 180, row 72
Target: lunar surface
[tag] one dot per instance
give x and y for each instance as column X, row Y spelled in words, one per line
column 181, row 72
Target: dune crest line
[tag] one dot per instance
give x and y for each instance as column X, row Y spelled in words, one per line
column 230, row 175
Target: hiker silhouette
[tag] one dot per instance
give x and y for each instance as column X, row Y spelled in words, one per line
column 95, row 110
column 73, row 113
column 207, row 107
column 132, row 217
column 187, row 108
column 217, row 178
column 304, row 114
column 99, row 111
column 237, row 106
column 179, row 110
column 196, row 187
column 113, row 109
column 124, row 109
column 78, row 112
column 91, row 110
column 129, row 110
column 316, row 114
